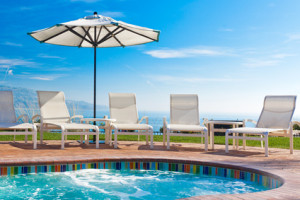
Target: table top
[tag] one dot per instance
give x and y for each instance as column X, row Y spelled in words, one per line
column 98, row 119
column 224, row 122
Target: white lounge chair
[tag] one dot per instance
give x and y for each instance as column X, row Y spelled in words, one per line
column 184, row 118
column 9, row 122
column 275, row 120
column 55, row 115
column 122, row 107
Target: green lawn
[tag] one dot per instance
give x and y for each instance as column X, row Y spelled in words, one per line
column 276, row 142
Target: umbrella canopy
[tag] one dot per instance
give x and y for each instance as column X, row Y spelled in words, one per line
column 96, row 31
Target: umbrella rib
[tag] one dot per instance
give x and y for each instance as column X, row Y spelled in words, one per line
column 108, row 34
column 99, row 34
column 74, row 32
column 83, row 39
column 139, row 34
column 87, row 33
column 112, row 35
column 53, row 36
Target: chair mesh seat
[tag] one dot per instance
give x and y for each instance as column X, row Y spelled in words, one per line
column 253, row 130
column 19, row 126
column 132, row 126
column 181, row 127
column 74, row 126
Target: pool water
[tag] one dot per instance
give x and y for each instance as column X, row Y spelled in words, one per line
column 119, row 184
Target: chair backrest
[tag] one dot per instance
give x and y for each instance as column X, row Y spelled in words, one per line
column 53, row 106
column 184, row 109
column 7, row 110
column 122, row 107
column 277, row 112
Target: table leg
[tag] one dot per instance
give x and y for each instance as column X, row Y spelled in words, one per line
column 237, row 140
column 212, row 136
column 106, row 129
column 233, row 139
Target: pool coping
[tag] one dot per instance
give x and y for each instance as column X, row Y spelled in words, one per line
column 288, row 190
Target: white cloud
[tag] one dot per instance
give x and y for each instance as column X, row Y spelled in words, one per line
column 178, row 79
column 46, row 77
column 281, row 55
column 150, row 83
column 26, row 8
column 293, row 37
column 187, row 52
column 49, row 56
column 112, row 14
column 226, row 29
column 16, row 62
column 12, row 44
column 42, row 78
column 261, row 63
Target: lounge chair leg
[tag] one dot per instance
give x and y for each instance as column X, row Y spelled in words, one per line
column 62, row 140
column 244, row 142
column 237, row 142
column 147, row 140
column 168, row 141
column 164, row 137
column 26, row 137
column 226, row 142
column 110, row 137
column 233, row 140
column 151, row 140
column 291, row 140
column 41, row 134
column 266, row 146
column 97, row 137
column 206, row 141
column 87, row 139
column 97, row 140
column 116, row 139
column 34, row 140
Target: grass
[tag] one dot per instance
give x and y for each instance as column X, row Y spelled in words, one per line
column 275, row 142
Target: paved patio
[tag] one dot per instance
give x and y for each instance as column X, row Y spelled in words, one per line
column 280, row 162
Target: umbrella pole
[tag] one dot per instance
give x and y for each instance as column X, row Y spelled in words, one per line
column 94, row 88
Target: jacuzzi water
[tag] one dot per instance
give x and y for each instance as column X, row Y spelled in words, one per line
column 118, row 184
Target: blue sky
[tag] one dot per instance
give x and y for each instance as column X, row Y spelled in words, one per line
column 231, row 53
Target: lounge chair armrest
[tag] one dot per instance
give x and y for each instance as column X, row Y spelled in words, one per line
column 250, row 120
column 295, row 122
column 77, row 116
column 144, row 118
column 25, row 117
column 205, row 121
column 35, row 117
column 165, row 123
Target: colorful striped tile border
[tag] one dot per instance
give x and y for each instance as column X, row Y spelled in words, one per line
column 260, row 179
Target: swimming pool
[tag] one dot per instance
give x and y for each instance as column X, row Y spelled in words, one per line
column 128, row 180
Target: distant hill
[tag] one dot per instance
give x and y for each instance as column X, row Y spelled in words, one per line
column 25, row 98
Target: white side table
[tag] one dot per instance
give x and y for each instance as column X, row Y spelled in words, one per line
column 106, row 127
column 211, row 124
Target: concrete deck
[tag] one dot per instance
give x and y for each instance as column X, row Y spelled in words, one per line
column 280, row 161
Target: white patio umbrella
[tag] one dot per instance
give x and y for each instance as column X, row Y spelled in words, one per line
column 96, row 31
